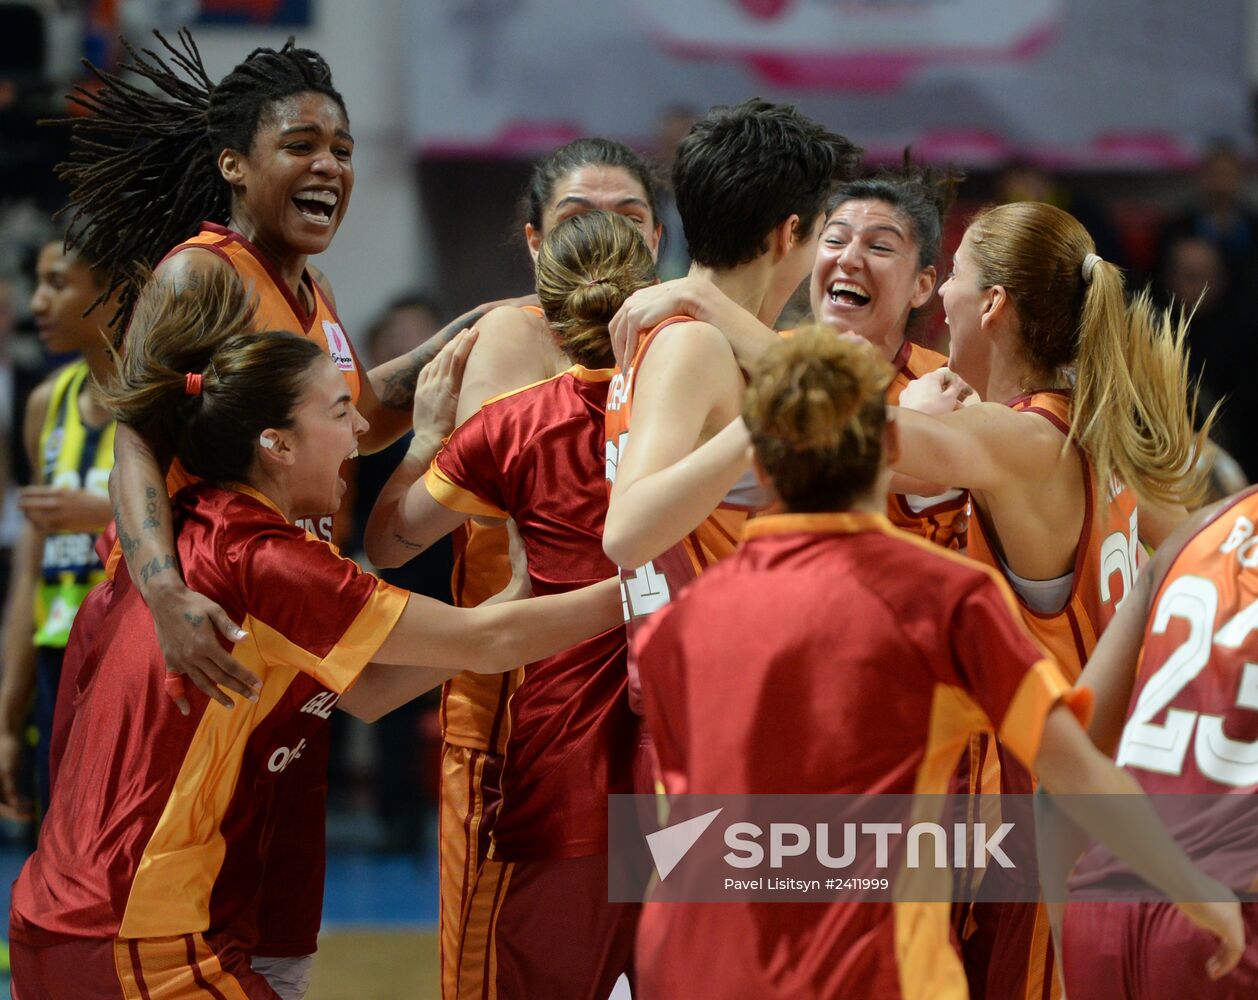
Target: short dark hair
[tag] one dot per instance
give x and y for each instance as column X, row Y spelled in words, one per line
column 742, row 171
column 591, row 151
column 921, row 194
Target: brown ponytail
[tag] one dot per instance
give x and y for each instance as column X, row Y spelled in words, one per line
column 587, row 266
column 248, row 381
column 1132, row 408
column 816, row 408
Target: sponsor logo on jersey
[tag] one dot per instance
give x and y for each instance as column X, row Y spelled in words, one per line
column 321, row 704
column 338, row 346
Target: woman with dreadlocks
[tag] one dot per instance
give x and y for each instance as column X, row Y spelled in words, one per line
column 252, row 174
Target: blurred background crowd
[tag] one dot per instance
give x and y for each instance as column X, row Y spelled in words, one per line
column 1138, row 119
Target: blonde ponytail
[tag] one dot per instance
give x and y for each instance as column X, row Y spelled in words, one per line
column 1132, row 406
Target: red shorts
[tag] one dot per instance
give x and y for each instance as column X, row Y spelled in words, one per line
column 1142, row 951
column 581, row 947
column 173, row 968
column 1008, row 953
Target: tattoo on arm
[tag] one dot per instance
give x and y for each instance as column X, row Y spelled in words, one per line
column 128, row 542
column 159, row 565
column 402, row 540
column 398, row 391
column 193, row 620
column 151, row 519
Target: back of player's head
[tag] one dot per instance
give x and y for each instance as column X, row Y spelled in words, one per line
column 816, row 409
column 742, row 171
column 589, row 152
column 587, row 266
column 920, row 194
column 244, row 382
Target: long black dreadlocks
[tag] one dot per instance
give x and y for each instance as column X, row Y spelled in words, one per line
column 144, row 167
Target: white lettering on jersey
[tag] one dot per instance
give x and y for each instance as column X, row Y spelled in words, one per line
column 321, row 704
column 338, row 346
column 321, row 528
column 621, row 389
column 283, row 756
column 1241, row 540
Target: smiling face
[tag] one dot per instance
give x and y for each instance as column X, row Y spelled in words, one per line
column 290, row 192
column 866, row 278
column 64, row 288
column 325, row 432
column 595, row 186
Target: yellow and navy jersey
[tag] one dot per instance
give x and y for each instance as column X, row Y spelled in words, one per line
column 182, row 808
column 75, row 456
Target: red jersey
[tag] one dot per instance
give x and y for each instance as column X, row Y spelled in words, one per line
column 1192, row 724
column 646, row 589
column 860, row 660
column 942, row 519
column 160, row 824
column 535, row 455
column 1106, row 555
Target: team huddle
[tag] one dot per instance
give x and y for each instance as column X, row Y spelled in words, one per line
column 696, row 554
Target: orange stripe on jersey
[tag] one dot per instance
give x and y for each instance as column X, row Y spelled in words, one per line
column 450, row 495
column 181, row 967
column 176, row 874
column 1105, row 557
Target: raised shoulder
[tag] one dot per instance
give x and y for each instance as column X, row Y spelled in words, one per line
column 513, row 349
column 692, row 342
column 186, row 268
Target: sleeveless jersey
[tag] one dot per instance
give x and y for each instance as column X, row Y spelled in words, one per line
column 279, row 309
column 1106, row 557
column 474, row 706
column 942, row 519
column 1192, row 722
column 646, row 589
column 76, row 457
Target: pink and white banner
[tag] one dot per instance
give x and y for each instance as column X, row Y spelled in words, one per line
column 1125, row 83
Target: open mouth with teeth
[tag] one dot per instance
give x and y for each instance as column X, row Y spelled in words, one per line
column 844, row 293
column 317, row 206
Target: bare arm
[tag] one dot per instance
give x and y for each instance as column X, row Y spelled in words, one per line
column 691, row 296
column 981, row 447
column 485, row 639
column 664, row 488
column 1109, row 805
column 389, row 390
column 17, row 684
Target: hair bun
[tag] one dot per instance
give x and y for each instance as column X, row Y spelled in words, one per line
column 596, row 301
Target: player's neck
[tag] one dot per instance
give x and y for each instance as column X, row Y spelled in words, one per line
column 750, row 285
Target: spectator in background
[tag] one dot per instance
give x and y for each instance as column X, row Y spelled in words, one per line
column 1218, row 213
column 403, row 793
column 670, row 128
column 1195, row 273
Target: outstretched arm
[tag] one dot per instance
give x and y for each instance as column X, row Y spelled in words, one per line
column 1109, row 805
